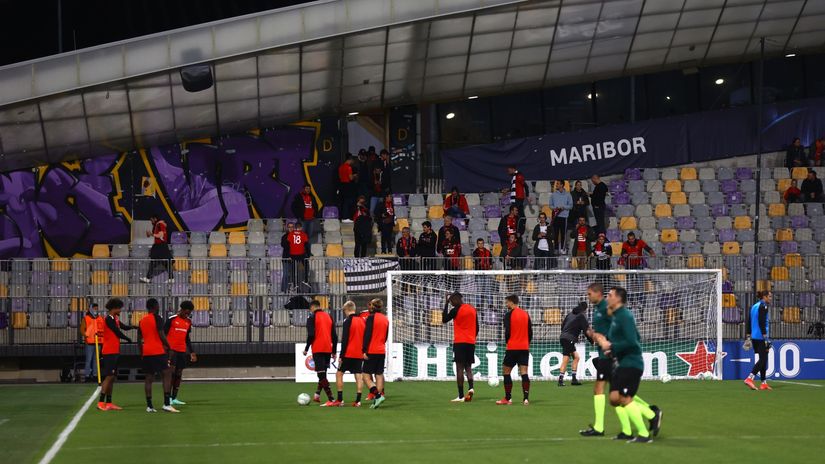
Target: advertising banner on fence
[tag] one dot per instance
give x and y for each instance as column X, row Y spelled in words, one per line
column 305, row 368
column 787, row 360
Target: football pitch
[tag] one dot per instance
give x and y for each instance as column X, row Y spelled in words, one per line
column 261, row 422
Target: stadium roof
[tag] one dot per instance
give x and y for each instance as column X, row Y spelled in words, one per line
column 339, row 56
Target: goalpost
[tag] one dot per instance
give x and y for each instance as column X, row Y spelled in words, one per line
column 678, row 314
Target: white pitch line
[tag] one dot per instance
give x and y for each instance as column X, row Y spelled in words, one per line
column 417, row 442
column 800, row 383
column 64, row 435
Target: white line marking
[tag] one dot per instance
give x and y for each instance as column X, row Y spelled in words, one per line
column 420, row 441
column 64, row 435
column 800, row 383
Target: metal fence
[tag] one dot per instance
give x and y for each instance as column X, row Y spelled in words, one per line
column 249, row 305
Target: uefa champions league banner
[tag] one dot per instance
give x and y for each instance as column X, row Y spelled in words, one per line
column 787, row 360
column 612, row 149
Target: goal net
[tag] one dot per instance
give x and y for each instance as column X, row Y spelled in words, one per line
column 677, row 312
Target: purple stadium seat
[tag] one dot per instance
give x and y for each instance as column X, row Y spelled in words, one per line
column 180, row 288
column 617, row 186
column 399, row 200
column 727, row 286
column 494, row 238
column 787, row 247
column 807, row 300
column 330, row 212
column 614, row 235
column 728, row 186
column 58, row 290
column 504, row 201
column 4, row 321
column 744, row 173
column 160, row 278
column 178, row 238
column 39, row 277
column 275, row 251
column 632, row 174
column 461, row 224
column 621, row 198
column 139, row 303
column 261, row 318
column 673, row 248
column 685, row 222
column 492, row 211
column 818, row 285
column 668, row 300
column 719, row 210
column 727, row 235
column 733, row 198
column 799, row 222
column 238, row 264
column 74, row 318
column 732, row 315
column 491, row 318
column 200, row 318
column 18, row 305
column 120, row 265
column 275, row 277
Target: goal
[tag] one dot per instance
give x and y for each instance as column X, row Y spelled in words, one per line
column 678, row 314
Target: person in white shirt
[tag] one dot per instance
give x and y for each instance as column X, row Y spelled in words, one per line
column 543, row 246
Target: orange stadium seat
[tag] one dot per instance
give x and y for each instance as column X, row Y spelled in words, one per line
column 791, row 315
column 688, row 174
column 552, row 316
column 663, row 211
column 793, row 260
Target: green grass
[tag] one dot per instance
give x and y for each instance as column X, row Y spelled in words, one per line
column 261, row 422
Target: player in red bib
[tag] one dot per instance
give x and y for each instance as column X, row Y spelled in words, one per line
column 465, row 331
column 518, row 333
column 375, row 350
column 153, row 349
column 322, row 339
column 112, row 336
column 178, row 328
column 351, row 358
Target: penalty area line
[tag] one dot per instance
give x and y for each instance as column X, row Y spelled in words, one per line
column 64, row 435
column 799, row 383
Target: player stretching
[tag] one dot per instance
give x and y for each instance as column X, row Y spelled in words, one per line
column 574, row 324
column 465, row 331
column 623, row 343
column 111, row 352
column 321, row 337
column 178, row 328
column 375, row 350
column 352, row 358
column 759, row 333
column 518, row 333
column 153, row 348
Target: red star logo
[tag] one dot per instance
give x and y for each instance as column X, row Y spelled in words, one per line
column 700, row 360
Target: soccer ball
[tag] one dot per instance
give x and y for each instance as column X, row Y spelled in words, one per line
column 707, row 375
column 666, row 378
column 303, row 399
column 493, row 382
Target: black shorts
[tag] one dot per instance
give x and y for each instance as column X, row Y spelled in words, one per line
column 178, row 360
column 155, row 364
column 375, row 364
column 321, row 361
column 351, row 365
column 464, row 353
column 626, row 381
column 567, row 347
column 513, row 357
column 108, row 364
column 604, row 368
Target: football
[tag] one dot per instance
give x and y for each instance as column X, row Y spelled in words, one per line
column 303, row 399
column 666, row 378
column 492, row 381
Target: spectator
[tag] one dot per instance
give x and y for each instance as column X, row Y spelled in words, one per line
column 812, row 188
column 362, row 227
column 512, row 224
column 817, row 152
column 451, row 251
column 582, row 236
column 372, row 156
column 518, row 189
column 561, row 202
column 346, row 187
column 633, row 252
column 299, row 252
column 406, row 250
column 286, row 272
column 581, row 200
column 364, row 181
column 378, row 192
column 386, row 171
column 448, row 225
column 601, row 253
column 305, row 209
column 793, row 194
column 482, row 258
column 512, row 253
column 455, row 205
column 543, row 248
column 91, row 326
column 597, row 201
column 427, row 246
column 161, row 255
column 384, row 214
column 795, row 156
